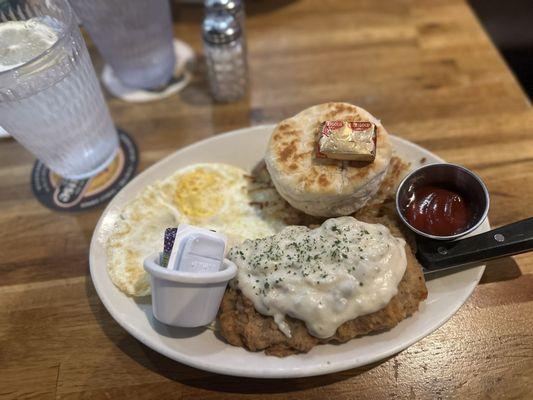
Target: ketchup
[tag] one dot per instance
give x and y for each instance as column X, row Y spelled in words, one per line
column 438, row 211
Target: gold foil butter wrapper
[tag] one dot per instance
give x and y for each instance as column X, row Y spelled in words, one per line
column 347, row 140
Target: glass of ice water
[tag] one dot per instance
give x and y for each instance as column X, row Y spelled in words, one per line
column 50, row 98
column 134, row 37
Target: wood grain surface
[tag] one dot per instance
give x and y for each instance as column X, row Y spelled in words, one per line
column 427, row 69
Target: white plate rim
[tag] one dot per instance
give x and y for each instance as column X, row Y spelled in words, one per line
column 243, row 371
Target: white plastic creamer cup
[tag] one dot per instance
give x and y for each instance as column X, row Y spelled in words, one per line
column 187, row 299
column 197, row 250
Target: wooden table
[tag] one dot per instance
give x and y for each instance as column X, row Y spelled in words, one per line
column 428, row 70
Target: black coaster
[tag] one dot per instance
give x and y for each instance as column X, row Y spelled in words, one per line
column 63, row 194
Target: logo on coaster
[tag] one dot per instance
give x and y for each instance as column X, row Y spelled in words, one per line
column 61, row 194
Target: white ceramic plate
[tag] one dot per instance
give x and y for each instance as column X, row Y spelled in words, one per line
column 202, row 348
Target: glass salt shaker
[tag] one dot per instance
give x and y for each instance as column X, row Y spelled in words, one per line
column 225, row 55
column 233, row 7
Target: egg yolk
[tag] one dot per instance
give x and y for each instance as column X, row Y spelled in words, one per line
column 198, row 194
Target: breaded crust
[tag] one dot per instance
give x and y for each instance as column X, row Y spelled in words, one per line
column 241, row 325
column 324, row 187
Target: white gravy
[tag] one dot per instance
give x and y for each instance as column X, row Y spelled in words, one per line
column 324, row 276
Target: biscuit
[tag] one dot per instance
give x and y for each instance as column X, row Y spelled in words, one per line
column 318, row 186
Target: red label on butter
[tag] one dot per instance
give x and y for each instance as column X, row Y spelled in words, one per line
column 347, row 140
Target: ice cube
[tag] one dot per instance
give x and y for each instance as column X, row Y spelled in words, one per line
column 50, row 22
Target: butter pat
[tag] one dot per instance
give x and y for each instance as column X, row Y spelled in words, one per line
column 347, row 140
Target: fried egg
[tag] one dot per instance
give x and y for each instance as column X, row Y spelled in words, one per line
column 220, row 197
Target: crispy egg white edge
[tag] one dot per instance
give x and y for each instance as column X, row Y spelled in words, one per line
column 128, row 275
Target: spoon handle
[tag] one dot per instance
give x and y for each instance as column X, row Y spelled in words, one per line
column 515, row 238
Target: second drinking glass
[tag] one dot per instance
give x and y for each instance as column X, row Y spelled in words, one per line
column 134, row 37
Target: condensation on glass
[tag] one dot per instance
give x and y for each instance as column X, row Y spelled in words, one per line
column 52, row 102
column 134, row 37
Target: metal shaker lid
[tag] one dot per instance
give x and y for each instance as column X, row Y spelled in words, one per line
column 231, row 6
column 220, row 28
